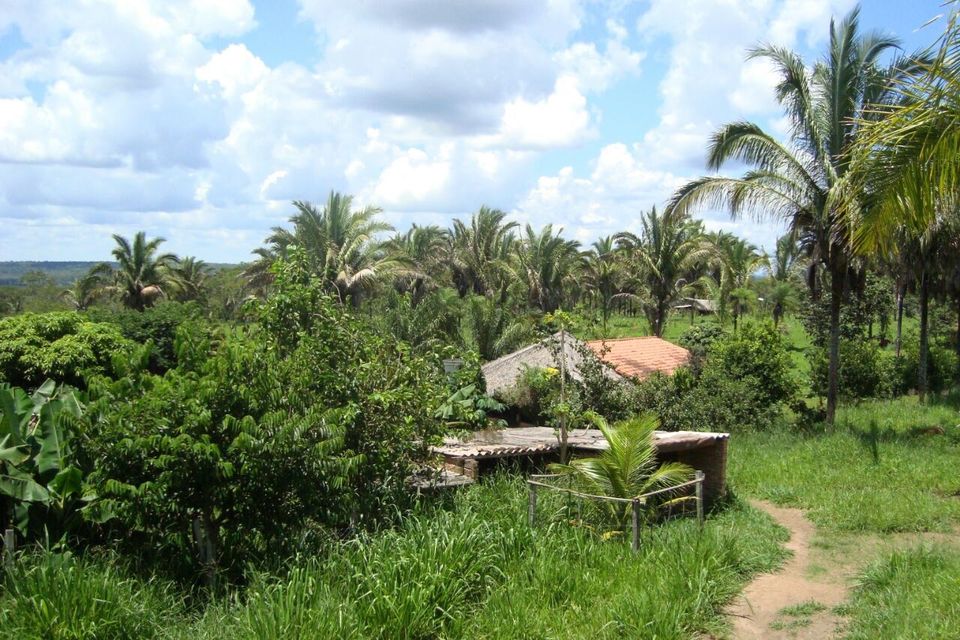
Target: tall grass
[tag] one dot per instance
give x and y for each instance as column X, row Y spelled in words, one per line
column 59, row 597
column 479, row 571
column 913, row 594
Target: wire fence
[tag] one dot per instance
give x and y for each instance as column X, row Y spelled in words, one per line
column 636, row 504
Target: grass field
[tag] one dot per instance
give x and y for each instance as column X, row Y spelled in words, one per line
column 883, row 490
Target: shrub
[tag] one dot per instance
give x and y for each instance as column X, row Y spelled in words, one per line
column 941, row 365
column 700, row 338
column 60, row 345
column 157, row 324
column 758, row 354
column 533, row 393
column 304, row 422
column 866, row 370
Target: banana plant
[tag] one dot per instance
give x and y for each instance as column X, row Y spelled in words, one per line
column 39, row 483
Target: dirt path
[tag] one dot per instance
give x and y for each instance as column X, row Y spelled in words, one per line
column 757, row 612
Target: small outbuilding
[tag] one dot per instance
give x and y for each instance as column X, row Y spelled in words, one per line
column 502, row 374
column 639, row 358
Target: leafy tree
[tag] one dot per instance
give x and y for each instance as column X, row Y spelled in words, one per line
column 142, row 275
column 264, row 440
column 803, row 182
column 60, row 345
column 662, row 259
column 493, row 330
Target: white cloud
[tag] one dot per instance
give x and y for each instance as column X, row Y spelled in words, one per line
column 560, row 119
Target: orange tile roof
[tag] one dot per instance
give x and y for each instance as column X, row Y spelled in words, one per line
column 640, row 357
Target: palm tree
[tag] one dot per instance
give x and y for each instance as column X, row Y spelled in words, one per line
column 88, row 288
column 480, row 253
column 664, row 257
column 602, row 274
column 493, row 329
column 189, row 276
column 422, row 251
column 738, row 262
column 627, row 468
column 141, row 274
column 340, row 244
column 920, row 129
column 803, row 182
column 547, row 264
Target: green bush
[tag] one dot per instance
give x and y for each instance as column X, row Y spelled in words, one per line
column 59, row 597
column 757, row 354
column 941, row 365
column 157, row 324
column 266, row 442
column 60, row 345
column 866, row 370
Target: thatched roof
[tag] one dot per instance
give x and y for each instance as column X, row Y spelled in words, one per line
column 502, row 373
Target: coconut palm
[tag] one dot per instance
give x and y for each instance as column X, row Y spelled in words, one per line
column 602, row 275
column 627, row 468
column 737, row 261
column 422, row 252
column 803, row 182
column 142, row 274
column 480, row 253
column 493, row 330
column 340, row 243
column 663, row 259
column 189, row 276
column 920, row 129
column 89, row 288
column 548, row 265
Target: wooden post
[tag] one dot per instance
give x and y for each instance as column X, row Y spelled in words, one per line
column 636, row 525
column 532, row 504
column 700, row 477
column 9, row 546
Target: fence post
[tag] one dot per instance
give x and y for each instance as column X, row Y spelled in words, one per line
column 636, row 525
column 700, row 477
column 9, row 546
column 532, row 504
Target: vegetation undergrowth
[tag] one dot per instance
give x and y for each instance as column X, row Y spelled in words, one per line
column 472, row 569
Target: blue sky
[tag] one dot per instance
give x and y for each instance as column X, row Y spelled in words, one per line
column 201, row 120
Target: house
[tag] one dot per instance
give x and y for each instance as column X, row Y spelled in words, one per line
column 700, row 306
column 640, row 357
column 502, row 374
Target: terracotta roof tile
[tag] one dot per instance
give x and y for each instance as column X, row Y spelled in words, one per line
column 640, row 357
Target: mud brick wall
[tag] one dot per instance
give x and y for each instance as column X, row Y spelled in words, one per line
column 712, row 460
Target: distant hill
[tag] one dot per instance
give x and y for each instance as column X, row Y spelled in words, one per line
column 63, row 272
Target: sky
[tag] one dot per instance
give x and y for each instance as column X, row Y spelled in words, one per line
column 200, row 121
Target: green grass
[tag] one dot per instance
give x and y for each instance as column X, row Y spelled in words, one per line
column 804, row 609
column 911, row 594
column 472, row 570
column 876, row 471
column 59, row 597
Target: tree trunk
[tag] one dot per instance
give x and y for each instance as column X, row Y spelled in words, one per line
column 833, row 376
column 924, row 335
column 901, row 292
